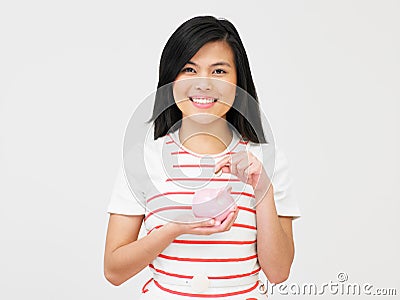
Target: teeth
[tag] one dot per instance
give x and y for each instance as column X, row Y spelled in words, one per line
column 202, row 100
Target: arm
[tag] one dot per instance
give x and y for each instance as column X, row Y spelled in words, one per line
column 275, row 246
column 125, row 255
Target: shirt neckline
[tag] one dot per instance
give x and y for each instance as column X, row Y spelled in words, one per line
column 232, row 145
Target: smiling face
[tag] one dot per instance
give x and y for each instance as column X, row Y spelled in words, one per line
column 205, row 88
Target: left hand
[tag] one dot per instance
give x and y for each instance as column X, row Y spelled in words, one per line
column 247, row 167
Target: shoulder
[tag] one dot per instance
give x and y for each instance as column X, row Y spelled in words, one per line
column 142, row 152
column 268, row 151
column 272, row 156
column 146, row 145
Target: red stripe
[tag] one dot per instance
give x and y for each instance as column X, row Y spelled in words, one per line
column 194, row 166
column 237, row 275
column 167, row 208
column 170, row 274
column 158, row 226
column 144, row 290
column 243, row 142
column 208, row 259
column 179, row 152
column 186, row 152
column 209, row 277
column 169, row 193
column 244, row 194
column 202, row 179
column 206, row 295
column 248, row 209
column 169, row 142
column 244, row 226
column 214, row 242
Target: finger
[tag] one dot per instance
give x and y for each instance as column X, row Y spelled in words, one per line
column 247, row 174
column 239, row 157
column 226, row 169
column 254, row 169
column 242, row 167
column 205, row 230
column 208, row 223
column 225, row 161
column 238, row 164
column 233, row 219
column 225, row 225
column 229, row 221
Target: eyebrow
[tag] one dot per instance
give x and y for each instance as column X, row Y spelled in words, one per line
column 220, row 63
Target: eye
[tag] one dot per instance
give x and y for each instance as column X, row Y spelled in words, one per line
column 188, row 70
column 219, row 71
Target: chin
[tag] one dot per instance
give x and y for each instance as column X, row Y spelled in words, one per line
column 204, row 118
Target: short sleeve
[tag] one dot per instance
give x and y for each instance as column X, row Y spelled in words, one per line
column 277, row 168
column 126, row 200
column 285, row 202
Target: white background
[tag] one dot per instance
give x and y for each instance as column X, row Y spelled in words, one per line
column 72, row 72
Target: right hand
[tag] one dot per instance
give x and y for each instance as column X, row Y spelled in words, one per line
column 204, row 227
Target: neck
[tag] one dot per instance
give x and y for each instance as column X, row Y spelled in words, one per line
column 209, row 138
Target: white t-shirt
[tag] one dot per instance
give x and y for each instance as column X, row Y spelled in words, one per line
column 166, row 191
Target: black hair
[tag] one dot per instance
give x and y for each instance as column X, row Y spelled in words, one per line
column 183, row 44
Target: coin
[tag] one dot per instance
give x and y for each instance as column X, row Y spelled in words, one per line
column 219, row 172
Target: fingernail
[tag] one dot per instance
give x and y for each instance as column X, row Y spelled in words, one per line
column 218, row 222
column 211, row 222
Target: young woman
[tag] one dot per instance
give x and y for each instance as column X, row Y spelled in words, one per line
column 205, row 120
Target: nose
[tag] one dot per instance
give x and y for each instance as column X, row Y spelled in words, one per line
column 203, row 84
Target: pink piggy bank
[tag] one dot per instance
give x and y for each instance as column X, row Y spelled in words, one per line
column 213, row 203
